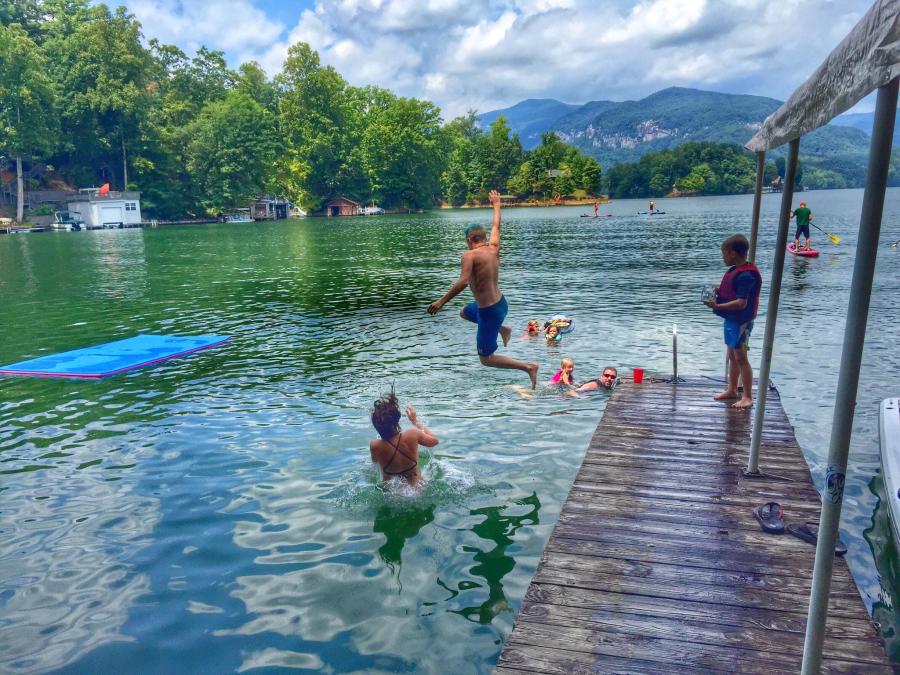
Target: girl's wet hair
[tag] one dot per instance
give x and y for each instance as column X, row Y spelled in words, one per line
column 386, row 415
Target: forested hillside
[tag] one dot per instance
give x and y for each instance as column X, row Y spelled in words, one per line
column 86, row 98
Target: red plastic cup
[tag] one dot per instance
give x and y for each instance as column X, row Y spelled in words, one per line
column 638, row 375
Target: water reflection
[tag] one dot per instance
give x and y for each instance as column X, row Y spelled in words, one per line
column 397, row 525
column 120, row 263
column 886, row 608
column 492, row 564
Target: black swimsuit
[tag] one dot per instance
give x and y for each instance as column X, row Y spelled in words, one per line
column 396, row 450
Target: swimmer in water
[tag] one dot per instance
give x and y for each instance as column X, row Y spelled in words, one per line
column 553, row 334
column 565, row 373
column 396, row 451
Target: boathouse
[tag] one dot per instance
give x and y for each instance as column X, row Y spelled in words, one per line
column 266, row 207
column 107, row 208
column 341, row 206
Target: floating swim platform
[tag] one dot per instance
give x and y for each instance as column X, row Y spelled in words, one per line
column 112, row 358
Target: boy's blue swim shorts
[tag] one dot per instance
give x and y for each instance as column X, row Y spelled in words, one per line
column 489, row 320
column 737, row 334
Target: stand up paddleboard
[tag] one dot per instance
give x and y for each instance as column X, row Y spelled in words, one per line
column 890, row 459
column 811, row 253
column 651, row 213
column 602, row 215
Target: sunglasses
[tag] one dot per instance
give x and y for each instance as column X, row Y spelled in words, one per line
column 608, row 375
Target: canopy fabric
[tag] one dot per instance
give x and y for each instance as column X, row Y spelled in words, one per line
column 868, row 58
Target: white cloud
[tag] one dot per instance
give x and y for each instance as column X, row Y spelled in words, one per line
column 486, row 54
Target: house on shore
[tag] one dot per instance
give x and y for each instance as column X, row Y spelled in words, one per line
column 107, row 209
column 341, row 206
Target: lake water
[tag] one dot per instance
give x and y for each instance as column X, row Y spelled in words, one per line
column 218, row 513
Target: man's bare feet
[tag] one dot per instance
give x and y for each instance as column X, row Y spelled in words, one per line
column 743, row 403
column 728, row 393
column 532, row 373
column 505, row 332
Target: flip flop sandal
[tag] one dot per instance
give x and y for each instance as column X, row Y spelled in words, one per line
column 809, row 532
column 771, row 517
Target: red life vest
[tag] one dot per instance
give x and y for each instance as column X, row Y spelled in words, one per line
column 727, row 293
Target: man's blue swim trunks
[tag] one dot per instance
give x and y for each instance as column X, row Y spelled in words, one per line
column 737, row 334
column 489, row 320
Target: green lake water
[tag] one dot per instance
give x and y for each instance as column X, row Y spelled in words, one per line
column 219, row 513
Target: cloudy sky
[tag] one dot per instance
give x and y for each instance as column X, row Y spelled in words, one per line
column 488, row 54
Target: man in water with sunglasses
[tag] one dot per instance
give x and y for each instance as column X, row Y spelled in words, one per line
column 480, row 272
column 606, row 381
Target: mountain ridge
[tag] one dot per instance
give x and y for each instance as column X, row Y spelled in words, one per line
column 615, row 132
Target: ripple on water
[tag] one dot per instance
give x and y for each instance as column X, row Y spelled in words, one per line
column 224, row 504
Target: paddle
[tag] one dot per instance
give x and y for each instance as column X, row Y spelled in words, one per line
column 893, row 244
column 834, row 238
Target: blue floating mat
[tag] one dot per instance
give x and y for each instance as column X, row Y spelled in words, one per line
column 112, row 358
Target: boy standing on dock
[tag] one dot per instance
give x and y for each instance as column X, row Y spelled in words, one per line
column 480, row 272
column 736, row 301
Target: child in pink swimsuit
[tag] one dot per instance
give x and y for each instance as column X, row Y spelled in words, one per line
column 564, row 374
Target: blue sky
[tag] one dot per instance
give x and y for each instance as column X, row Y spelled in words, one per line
column 488, row 54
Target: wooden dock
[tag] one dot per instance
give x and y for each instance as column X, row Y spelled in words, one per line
column 657, row 565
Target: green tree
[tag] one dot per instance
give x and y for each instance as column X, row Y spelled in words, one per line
column 500, row 154
column 318, row 127
column 27, row 123
column 102, row 69
column 591, row 176
column 231, row 150
column 253, row 81
column 402, row 149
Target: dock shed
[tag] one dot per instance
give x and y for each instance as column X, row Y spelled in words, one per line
column 107, row 210
column 341, row 206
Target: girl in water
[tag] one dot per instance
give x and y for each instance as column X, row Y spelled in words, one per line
column 565, row 372
column 397, row 452
column 553, row 334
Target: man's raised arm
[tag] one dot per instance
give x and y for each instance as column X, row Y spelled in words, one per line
column 495, row 232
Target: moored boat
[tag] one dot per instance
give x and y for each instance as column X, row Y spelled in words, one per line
column 890, row 460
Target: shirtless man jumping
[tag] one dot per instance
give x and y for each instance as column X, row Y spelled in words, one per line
column 480, row 272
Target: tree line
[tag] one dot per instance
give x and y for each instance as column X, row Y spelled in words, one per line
column 82, row 94
column 695, row 169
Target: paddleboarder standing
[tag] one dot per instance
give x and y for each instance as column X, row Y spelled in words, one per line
column 596, row 209
column 804, row 217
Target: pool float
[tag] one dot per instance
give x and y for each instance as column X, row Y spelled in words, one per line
column 565, row 323
column 811, row 253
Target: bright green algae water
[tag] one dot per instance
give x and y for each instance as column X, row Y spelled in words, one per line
column 218, row 512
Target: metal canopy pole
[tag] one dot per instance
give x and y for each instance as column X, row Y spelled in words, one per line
column 772, row 312
column 848, row 377
column 757, row 202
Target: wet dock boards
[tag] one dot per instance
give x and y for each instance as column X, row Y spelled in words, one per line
column 112, row 358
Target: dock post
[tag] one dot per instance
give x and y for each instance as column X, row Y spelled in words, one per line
column 675, row 353
column 848, row 375
column 772, row 312
column 757, row 203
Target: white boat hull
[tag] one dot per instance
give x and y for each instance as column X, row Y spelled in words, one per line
column 890, row 459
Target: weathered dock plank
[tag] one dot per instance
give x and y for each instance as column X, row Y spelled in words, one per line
column 657, row 564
